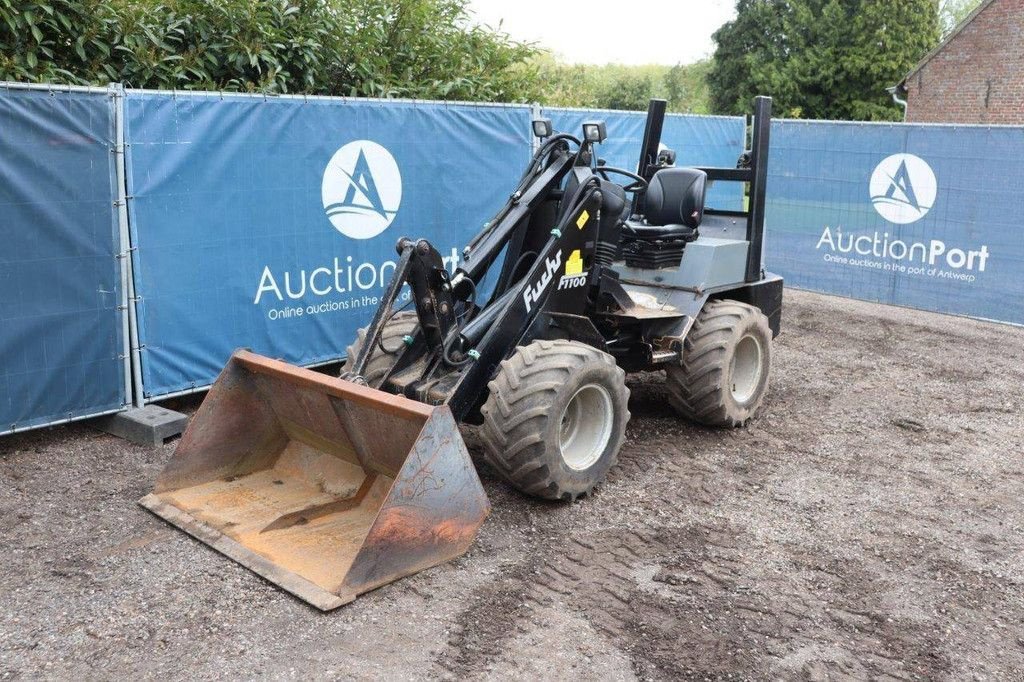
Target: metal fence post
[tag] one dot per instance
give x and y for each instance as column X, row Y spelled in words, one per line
column 133, row 367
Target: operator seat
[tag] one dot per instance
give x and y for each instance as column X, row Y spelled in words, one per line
column 673, row 208
column 674, row 203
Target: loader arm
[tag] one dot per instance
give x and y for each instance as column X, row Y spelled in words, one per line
column 422, row 268
column 483, row 250
column 450, row 363
column 459, row 343
column 524, row 303
column 455, row 369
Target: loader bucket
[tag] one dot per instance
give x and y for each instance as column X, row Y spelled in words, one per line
column 323, row 487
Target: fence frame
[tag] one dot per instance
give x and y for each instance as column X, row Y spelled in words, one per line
column 126, row 305
column 898, row 125
column 131, row 346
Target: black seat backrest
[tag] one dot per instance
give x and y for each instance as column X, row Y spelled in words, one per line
column 675, row 196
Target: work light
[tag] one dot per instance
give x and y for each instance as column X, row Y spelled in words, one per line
column 542, row 127
column 594, row 132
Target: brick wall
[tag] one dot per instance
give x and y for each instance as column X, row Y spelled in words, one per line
column 978, row 76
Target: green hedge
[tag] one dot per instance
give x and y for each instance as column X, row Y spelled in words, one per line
column 378, row 48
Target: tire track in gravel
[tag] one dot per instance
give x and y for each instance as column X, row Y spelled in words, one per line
column 483, row 629
column 636, row 587
column 689, row 600
column 639, row 590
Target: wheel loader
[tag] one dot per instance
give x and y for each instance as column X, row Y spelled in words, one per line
column 333, row 486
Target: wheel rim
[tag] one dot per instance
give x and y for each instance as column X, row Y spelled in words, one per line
column 745, row 369
column 586, row 427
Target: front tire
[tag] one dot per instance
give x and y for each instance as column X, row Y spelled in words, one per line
column 727, row 357
column 555, row 418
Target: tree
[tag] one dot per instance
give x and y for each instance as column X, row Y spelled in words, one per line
column 409, row 48
column 830, row 59
column 619, row 86
column 686, row 87
column 628, row 93
column 952, row 12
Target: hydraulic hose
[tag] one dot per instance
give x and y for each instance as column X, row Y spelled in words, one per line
column 524, row 179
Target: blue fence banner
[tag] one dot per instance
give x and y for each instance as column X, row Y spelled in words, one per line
column 697, row 141
column 271, row 223
column 922, row 216
column 62, row 341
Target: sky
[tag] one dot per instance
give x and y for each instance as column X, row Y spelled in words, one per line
column 634, row 32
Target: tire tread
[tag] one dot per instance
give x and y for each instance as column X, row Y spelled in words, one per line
column 696, row 385
column 515, row 418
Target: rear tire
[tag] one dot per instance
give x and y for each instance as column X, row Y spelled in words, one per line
column 727, row 357
column 555, row 418
column 391, row 337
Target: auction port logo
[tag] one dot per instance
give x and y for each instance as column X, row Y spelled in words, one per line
column 903, row 188
column 362, row 189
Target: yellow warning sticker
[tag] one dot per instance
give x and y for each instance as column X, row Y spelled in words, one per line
column 574, row 266
column 582, row 220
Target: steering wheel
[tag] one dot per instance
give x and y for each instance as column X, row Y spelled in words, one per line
column 638, row 184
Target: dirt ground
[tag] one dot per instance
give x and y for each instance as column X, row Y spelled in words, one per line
column 868, row 525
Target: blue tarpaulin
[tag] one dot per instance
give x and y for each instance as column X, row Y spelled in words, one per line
column 271, row 223
column 922, row 216
column 61, row 336
column 697, row 141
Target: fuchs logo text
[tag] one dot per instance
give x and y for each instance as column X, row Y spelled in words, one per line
column 533, row 293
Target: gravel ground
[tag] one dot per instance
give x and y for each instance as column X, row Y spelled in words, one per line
column 867, row 525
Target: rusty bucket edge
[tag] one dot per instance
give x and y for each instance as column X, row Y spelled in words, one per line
column 290, row 582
